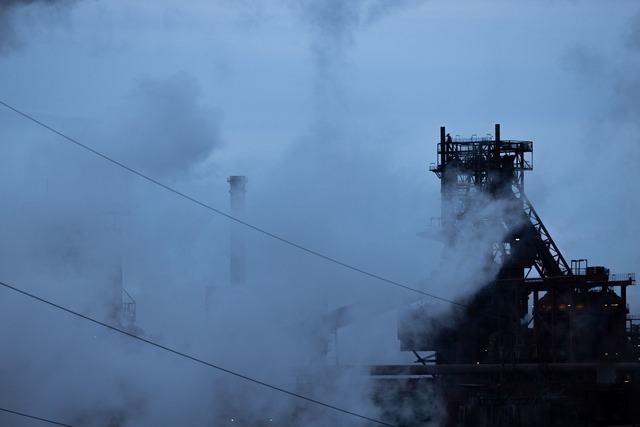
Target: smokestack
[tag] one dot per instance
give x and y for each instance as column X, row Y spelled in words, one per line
column 237, row 256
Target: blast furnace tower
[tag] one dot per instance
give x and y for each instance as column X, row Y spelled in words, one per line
column 542, row 343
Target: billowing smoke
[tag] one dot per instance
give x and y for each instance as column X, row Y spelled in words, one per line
column 333, row 25
column 627, row 87
column 72, row 237
column 165, row 130
column 611, row 72
column 71, row 246
column 341, row 188
column 611, row 138
column 17, row 19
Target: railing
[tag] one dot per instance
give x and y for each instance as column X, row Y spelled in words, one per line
column 129, row 311
column 475, row 150
column 611, row 277
column 433, row 230
column 128, row 308
column 621, row 277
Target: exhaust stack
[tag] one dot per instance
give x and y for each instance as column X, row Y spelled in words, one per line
column 237, row 190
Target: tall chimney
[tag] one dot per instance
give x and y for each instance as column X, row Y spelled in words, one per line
column 237, row 256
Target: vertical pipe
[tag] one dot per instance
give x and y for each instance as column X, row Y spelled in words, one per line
column 496, row 148
column 623, row 297
column 572, row 332
column 518, row 318
column 446, row 202
column 537, row 323
column 237, row 245
column 554, row 325
column 443, row 147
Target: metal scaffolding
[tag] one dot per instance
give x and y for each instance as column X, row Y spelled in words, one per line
column 556, row 347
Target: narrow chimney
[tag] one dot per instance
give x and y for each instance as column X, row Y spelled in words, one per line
column 237, row 256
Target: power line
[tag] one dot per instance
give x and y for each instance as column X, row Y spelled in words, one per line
column 22, row 414
column 194, row 359
column 219, row 212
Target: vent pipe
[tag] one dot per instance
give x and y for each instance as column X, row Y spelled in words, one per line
column 237, row 257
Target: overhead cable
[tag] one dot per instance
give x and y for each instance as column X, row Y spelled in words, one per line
column 22, row 414
column 193, row 358
column 226, row 215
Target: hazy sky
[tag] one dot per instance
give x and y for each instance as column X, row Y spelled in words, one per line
column 332, row 110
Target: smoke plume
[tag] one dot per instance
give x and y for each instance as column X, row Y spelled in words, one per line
column 351, row 183
column 333, row 25
column 17, row 18
column 165, row 129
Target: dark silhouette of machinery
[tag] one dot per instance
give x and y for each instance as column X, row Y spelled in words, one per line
column 543, row 343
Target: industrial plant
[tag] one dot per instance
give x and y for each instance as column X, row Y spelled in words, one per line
column 531, row 339
column 546, row 342
column 540, row 341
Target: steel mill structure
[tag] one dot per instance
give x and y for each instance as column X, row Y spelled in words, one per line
column 546, row 343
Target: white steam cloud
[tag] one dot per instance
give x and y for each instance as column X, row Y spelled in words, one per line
column 334, row 191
